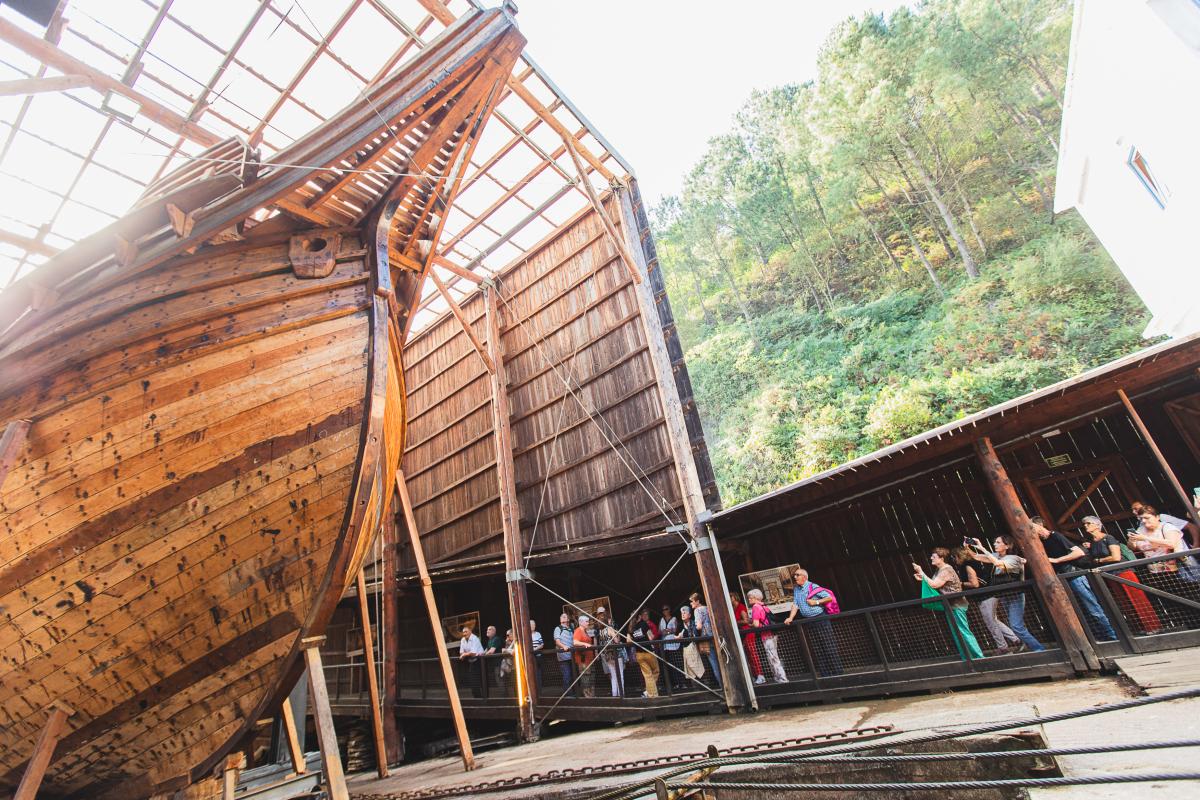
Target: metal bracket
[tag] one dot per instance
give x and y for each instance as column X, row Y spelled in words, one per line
column 514, row 575
column 700, row 543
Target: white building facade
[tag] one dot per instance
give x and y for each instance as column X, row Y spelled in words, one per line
column 1129, row 156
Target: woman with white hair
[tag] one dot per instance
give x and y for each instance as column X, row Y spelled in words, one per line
column 1103, row 548
column 759, row 618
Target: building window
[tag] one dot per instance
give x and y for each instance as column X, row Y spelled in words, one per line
column 1137, row 162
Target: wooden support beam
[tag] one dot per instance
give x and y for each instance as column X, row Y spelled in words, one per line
column 435, row 620
column 181, row 221
column 52, row 56
column 59, row 83
column 295, row 751
column 1183, row 496
column 737, row 682
column 1046, row 583
column 461, row 272
column 232, row 771
column 626, row 256
column 548, row 117
column 29, row 243
column 510, row 521
column 43, row 750
column 381, row 760
column 391, row 644
column 11, row 442
column 445, row 16
column 331, row 760
column 462, row 320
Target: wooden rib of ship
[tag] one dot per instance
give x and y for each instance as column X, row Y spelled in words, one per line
column 203, row 412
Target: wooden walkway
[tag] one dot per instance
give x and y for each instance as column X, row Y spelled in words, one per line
column 1168, row 671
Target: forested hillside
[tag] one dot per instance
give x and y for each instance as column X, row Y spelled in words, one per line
column 873, row 253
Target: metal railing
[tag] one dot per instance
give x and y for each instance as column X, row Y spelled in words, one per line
column 1139, row 606
column 911, row 639
column 490, row 677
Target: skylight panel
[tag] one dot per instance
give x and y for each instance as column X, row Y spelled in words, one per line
column 21, row 200
column 181, row 59
column 41, row 163
column 77, row 220
column 293, row 121
column 367, row 40
column 48, row 114
column 327, row 87
column 221, row 29
column 275, row 50
column 101, row 188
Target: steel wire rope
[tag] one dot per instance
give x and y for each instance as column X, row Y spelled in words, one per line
column 660, row 503
column 1003, row 783
column 550, row 465
column 637, row 610
column 966, row 755
column 638, row 788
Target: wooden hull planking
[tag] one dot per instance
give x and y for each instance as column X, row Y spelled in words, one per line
column 207, row 462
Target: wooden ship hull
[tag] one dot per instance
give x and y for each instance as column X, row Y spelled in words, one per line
column 203, row 411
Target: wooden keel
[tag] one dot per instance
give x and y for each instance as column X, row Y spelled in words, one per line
column 42, row 753
column 331, row 759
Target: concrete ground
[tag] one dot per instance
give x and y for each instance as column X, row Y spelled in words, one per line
column 1179, row 719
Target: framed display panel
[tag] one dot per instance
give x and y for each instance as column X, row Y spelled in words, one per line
column 776, row 584
column 452, row 626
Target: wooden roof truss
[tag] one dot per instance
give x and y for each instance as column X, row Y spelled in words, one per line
column 502, row 187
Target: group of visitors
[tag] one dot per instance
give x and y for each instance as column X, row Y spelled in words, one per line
column 679, row 641
column 677, row 648
column 973, row 566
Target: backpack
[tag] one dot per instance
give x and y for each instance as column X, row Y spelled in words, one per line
column 1126, row 553
column 832, row 606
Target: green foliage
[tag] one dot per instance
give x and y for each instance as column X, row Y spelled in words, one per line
column 869, row 256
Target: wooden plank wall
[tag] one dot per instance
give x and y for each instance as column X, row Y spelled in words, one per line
column 568, row 313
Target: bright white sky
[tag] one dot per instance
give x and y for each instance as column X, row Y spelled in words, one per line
column 681, row 68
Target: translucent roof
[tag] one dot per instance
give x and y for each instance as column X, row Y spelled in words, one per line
column 73, row 161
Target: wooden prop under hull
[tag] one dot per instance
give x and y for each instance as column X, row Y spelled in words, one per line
column 194, row 495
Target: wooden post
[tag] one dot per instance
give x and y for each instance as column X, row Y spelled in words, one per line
column 435, row 620
column 381, row 761
column 295, row 751
column 1184, row 497
column 1049, row 588
column 510, row 513
column 391, row 644
column 614, row 236
column 31, row 781
column 11, row 442
column 736, row 678
column 462, row 320
column 331, row 759
column 229, row 779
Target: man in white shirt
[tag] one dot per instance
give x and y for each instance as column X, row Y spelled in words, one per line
column 469, row 651
column 535, row 637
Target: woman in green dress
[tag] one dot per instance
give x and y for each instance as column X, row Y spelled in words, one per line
column 946, row 581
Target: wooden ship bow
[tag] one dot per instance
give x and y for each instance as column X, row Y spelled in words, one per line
column 203, row 411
